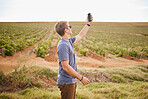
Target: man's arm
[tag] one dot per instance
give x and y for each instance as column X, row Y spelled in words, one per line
column 72, row 72
column 83, row 31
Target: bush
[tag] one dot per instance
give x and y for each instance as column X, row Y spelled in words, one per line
column 9, row 50
column 102, row 52
column 10, row 96
column 48, row 72
column 133, row 53
column 82, row 51
column 118, row 78
column 2, row 76
column 38, row 84
column 43, row 47
column 20, row 79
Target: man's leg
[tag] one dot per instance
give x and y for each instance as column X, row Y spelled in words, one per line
column 75, row 90
column 68, row 91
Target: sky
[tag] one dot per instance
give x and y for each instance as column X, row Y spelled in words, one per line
column 74, row 10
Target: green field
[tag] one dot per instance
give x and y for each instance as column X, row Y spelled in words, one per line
column 120, row 39
column 15, row 37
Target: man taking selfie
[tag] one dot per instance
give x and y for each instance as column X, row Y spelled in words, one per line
column 67, row 64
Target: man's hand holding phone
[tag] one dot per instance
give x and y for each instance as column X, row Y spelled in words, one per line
column 89, row 18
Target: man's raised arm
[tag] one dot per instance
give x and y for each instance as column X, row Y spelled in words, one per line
column 83, row 31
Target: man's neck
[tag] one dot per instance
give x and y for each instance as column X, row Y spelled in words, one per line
column 65, row 38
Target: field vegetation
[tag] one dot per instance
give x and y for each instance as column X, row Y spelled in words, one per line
column 31, row 82
column 120, row 39
column 15, row 37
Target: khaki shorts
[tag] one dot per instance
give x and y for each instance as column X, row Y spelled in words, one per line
column 68, row 91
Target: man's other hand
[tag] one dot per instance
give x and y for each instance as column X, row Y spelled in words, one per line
column 85, row 81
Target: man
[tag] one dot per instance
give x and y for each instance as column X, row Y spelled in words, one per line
column 67, row 64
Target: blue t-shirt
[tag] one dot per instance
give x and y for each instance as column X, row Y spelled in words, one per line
column 65, row 51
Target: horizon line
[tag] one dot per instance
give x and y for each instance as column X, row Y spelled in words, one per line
column 75, row 21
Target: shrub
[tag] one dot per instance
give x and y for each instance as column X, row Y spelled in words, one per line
column 2, row 76
column 38, row 84
column 9, row 50
column 82, row 51
column 20, row 78
column 43, row 47
column 133, row 53
column 118, row 78
column 10, row 96
column 48, row 72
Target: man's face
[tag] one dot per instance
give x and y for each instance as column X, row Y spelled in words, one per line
column 68, row 29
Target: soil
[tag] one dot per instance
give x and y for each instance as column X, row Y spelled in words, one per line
column 53, row 57
column 93, row 61
column 8, row 64
column 48, row 83
column 133, row 58
column 142, row 34
column 95, row 56
column 97, row 76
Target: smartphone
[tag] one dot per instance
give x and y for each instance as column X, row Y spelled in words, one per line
column 89, row 17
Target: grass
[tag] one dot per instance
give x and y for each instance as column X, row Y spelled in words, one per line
column 130, row 83
column 25, row 77
column 131, row 73
column 32, row 93
column 135, row 90
column 36, row 93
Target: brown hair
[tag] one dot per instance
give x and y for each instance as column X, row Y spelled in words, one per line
column 60, row 27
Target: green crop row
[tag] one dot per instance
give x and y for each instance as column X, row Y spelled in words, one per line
column 44, row 47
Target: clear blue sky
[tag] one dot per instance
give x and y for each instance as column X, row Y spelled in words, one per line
column 74, row 10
